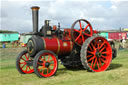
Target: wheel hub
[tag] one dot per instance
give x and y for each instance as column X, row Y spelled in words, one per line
column 83, row 32
column 98, row 54
column 29, row 62
column 30, row 46
column 47, row 64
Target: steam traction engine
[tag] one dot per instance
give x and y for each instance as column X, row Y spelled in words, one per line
column 76, row 48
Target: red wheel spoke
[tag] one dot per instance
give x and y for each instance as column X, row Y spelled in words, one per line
column 90, row 48
column 91, row 52
column 51, row 64
column 80, row 25
column 51, row 60
column 44, row 58
column 23, row 63
column 102, row 49
column 102, row 60
column 39, row 63
column 86, row 27
column 47, row 70
column 104, row 52
column 78, row 37
column 102, row 45
column 42, row 67
column 29, row 68
column 91, row 58
column 83, row 38
column 76, row 30
column 98, row 65
column 98, row 45
column 23, row 59
column 48, row 58
column 94, row 63
column 42, row 70
column 26, row 57
column 26, row 68
column 93, row 46
column 104, row 56
column 87, row 34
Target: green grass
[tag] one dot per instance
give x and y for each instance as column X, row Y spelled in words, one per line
column 9, row 45
column 117, row 73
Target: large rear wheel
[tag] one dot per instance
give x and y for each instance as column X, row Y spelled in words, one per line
column 96, row 54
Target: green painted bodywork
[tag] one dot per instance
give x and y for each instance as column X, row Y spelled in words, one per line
column 4, row 37
column 104, row 34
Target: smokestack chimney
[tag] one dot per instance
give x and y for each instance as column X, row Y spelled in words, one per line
column 35, row 18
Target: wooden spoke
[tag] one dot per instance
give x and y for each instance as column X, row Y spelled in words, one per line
column 91, row 58
column 80, row 25
column 83, row 38
column 78, row 37
column 76, row 30
column 95, row 63
column 87, row 34
column 91, row 52
column 86, row 27
column 23, row 63
column 102, row 45
column 23, row 59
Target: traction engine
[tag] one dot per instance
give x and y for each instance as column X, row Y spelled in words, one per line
column 78, row 47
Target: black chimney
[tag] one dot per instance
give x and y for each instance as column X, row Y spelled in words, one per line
column 35, row 18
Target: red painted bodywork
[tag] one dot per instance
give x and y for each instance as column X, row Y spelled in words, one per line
column 59, row 46
column 95, row 32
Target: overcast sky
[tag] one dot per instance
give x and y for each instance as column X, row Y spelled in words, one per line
column 103, row 15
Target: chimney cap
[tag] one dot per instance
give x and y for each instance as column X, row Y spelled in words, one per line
column 35, row 7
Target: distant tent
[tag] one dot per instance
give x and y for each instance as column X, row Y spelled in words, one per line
column 6, row 35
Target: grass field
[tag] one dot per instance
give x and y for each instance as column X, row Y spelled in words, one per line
column 117, row 74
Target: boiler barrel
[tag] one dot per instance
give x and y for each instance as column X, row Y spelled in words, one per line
column 59, row 47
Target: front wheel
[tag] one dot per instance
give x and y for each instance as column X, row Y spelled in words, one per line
column 24, row 63
column 45, row 64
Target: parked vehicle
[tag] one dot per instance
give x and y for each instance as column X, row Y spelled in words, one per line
column 75, row 47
